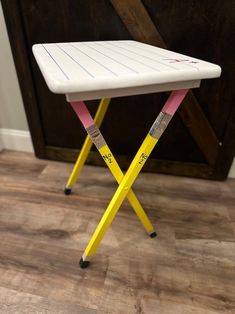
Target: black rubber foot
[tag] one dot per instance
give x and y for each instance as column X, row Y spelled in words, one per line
column 67, row 191
column 84, row 264
column 153, row 234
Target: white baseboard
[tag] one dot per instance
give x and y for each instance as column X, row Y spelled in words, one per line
column 16, row 140
column 232, row 170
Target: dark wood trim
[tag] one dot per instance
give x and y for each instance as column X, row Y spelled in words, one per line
column 153, row 165
column 140, row 26
column 227, row 150
column 16, row 33
column 199, row 127
column 137, row 21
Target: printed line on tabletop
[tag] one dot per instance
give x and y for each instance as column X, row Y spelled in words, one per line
column 162, row 56
column 111, row 58
column 153, row 51
column 149, row 58
column 173, row 56
column 56, row 63
column 75, row 61
column 94, row 60
column 144, row 64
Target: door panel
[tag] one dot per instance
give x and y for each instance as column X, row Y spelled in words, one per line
column 206, row 31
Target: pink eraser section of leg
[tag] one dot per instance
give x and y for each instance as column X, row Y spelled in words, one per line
column 81, row 110
column 174, row 101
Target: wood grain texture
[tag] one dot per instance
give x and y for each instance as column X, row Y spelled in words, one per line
column 188, row 268
column 141, row 27
column 137, row 21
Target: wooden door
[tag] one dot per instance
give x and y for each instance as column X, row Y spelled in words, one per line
column 200, row 140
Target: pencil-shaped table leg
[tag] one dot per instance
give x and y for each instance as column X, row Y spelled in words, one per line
column 143, row 153
column 99, row 116
column 99, row 141
column 132, row 199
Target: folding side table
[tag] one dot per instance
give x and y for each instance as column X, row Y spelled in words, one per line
column 106, row 69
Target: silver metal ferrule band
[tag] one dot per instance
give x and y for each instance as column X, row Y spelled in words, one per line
column 160, row 124
column 96, row 136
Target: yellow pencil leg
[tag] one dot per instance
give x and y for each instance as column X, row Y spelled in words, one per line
column 101, row 111
column 118, row 197
column 79, row 163
column 155, row 132
column 96, row 137
column 134, row 202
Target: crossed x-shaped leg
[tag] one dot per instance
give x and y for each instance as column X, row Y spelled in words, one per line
column 125, row 181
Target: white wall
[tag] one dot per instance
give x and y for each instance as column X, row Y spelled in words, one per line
column 14, row 132
column 232, row 170
column 11, row 104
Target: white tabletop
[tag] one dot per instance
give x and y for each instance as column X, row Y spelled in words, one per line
column 90, row 70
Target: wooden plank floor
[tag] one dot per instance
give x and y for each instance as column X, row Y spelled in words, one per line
column 188, row 268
